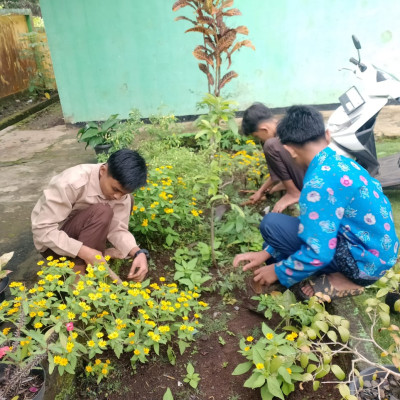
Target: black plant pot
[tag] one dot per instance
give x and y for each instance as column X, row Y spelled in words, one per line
column 3, row 286
column 367, row 374
column 38, row 370
column 102, row 148
column 391, row 298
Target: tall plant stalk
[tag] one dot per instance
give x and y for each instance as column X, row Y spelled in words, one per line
column 218, row 38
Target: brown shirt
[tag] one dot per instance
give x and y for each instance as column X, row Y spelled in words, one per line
column 75, row 189
column 280, row 163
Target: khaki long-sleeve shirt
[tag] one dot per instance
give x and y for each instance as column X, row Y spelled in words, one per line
column 75, row 189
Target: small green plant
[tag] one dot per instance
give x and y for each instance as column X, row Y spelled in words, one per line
column 188, row 274
column 168, row 395
column 191, row 377
column 221, row 341
column 97, row 134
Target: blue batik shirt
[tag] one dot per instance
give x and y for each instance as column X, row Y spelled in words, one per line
column 340, row 197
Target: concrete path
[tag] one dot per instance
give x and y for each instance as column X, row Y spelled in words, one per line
column 28, row 160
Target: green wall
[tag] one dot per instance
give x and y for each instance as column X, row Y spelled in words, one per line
column 112, row 56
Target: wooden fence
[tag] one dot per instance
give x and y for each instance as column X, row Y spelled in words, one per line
column 21, row 51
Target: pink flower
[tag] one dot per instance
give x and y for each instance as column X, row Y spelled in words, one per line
column 70, row 326
column 346, row 181
column 376, row 194
column 288, row 272
column 374, row 252
column 364, row 180
column 332, row 243
column 387, row 226
column 313, row 215
column 3, row 351
column 330, row 191
column 316, row 263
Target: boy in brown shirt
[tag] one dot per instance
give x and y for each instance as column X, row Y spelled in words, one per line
column 87, row 205
column 259, row 122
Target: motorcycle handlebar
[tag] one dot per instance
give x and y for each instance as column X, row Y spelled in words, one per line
column 353, row 61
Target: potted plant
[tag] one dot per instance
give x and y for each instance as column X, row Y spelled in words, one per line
column 4, row 280
column 98, row 136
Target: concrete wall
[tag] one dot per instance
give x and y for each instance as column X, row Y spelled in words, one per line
column 112, row 56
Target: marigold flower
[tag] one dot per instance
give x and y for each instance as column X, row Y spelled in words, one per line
column 249, row 338
column 260, row 366
column 71, row 315
column 289, row 371
column 269, row 336
column 89, row 368
column 6, row 330
column 136, row 352
column 113, row 335
column 38, row 325
column 102, row 343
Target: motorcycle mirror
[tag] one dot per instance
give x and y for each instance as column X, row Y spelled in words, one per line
column 356, row 42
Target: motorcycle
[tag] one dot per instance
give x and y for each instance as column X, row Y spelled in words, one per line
column 352, row 124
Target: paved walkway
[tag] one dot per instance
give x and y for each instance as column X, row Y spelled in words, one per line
column 28, row 160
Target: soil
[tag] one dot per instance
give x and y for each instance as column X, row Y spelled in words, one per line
column 43, row 119
column 17, row 102
column 214, row 356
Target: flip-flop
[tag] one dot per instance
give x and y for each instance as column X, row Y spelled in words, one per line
column 323, row 289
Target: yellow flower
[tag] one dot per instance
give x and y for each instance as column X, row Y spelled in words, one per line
column 89, row 368
column 168, row 210
column 99, row 334
column 260, row 366
column 71, row 315
column 162, row 279
column 40, row 313
column 292, row 336
column 6, row 330
column 70, row 346
column 49, row 294
column 84, row 314
column 247, row 348
column 104, row 371
column 38, row 325
column 289, row 371
column 62, row 307
column 195, row 213
column 249, row 338
column 40, row 263
column 146, row 350
column 102, row 343
column 91, row 343
column 113, row 335
column 269, row 336
column 98, row 257
column 136, row 352
column 32, row 314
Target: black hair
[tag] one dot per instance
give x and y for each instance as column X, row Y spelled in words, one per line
column 300, row 125
column 129, row 168
column 252, row 117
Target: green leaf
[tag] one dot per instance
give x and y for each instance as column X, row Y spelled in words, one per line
column 344, row 390
column 397, row 305
column 382, row 292
column 339, row 373
column 332, row 335
column 316, row 385
column 304, row 360
column 344, row 333
column 171, row 355
column 190, row 368
column 169, row 240
column 256, row 380
column 265, row 393
column 385, row 318
column 274, row 387
column 242, row 368
column 183, row 346
column 322, row 325
column 168, row 395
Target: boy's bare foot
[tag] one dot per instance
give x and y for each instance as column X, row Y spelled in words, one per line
column 337, row 280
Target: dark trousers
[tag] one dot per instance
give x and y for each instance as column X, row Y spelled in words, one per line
column 90, row 226
column 281, row 232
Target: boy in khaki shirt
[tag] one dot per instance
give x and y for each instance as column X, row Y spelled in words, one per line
column 87, row 205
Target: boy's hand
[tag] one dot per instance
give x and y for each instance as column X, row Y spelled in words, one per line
column 255, row 259
column 256, row 197
column 139, row 268
column 265, row 275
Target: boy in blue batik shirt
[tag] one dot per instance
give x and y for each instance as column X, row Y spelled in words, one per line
column 345, row 237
